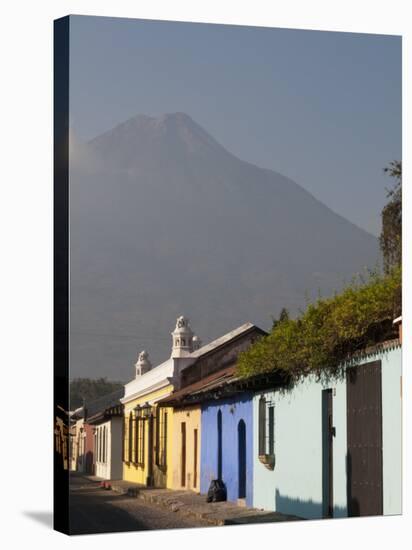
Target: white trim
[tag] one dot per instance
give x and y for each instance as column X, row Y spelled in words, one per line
column 157, row 386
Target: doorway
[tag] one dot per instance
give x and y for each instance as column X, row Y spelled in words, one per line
column 183, row 454
column 241, row 434
column 364, row 440
column 327, row 453
column 219, row 445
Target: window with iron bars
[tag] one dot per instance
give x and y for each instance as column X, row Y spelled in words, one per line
column 266, row 427
column 139, row 439
column 161, row 437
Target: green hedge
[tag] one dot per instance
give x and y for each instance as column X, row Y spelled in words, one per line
column 329, row 331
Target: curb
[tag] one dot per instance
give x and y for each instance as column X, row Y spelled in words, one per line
column 170, row 503
column 175, row 505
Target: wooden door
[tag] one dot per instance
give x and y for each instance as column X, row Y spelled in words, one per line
column 364, row 440
column 328, row 432
column 195, row 458
column 183, row 454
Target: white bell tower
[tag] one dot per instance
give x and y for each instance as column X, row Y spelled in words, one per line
column 182, row 338
column 142, row 364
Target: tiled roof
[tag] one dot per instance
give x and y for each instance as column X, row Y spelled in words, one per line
column 223, row 383
column 210, row 382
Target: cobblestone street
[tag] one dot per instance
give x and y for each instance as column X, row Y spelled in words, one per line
column 94, row 510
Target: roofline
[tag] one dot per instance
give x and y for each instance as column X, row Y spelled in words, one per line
column 238, row 385
column 163, row 383
column 236, row 337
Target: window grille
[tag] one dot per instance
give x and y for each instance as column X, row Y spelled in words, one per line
column 161, row 437
column 141, row 441
column 130, row 453
column 262, row 426
column 266, row 427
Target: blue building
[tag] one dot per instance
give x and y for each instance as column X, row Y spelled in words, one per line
column 227, row 446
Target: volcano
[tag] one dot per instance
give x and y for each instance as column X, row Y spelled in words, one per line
column 165, row 221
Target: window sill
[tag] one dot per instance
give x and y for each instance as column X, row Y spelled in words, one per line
column 268, row 461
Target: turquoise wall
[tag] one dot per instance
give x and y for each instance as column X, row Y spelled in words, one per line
column 295, row 485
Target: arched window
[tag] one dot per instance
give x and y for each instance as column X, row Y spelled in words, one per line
column 130, row 457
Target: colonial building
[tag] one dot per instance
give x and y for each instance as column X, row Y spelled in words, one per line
column 103, row 436
column 77, row 440
column 148, row 430
column 332, row 447
column 205, row 422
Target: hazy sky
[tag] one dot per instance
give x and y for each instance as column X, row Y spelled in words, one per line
column 322, row 108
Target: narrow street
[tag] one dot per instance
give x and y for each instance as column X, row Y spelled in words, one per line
column 95, row 510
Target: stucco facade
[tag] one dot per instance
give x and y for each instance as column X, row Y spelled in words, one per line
column 185, row 450
column 89, row 466
column 136, row 469
column 296, row 484
column 227, row 446
column 78, row 446
column 108, row 449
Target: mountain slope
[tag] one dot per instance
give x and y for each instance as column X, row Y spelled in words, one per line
column 165, row 221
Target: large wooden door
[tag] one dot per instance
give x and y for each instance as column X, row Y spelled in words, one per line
column 328, row 431
column 364, row 440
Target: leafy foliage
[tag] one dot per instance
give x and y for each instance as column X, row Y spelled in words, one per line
column 329, row 331
column 88, row 389
column 283, row 316
column 390, row 239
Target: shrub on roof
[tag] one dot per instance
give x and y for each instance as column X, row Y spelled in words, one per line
column 329, row 331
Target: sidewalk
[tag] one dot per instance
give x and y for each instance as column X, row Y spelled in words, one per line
column 191, row 504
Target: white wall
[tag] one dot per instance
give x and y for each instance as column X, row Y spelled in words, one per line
column 116, row 448
column 392, row 432
column 295, row 484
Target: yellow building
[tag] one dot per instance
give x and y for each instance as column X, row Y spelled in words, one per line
column 148, row 430
column 185, row 453
column 162, row 420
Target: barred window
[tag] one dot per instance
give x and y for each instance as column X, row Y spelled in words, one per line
column 262, row 425
column 105, row 444
column 161, row 437
column 136, row 438
column 140, row 438
column 130, row 453
column 125, row 439
column 266, row 427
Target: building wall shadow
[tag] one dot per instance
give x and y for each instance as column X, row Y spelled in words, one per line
column 307, row 509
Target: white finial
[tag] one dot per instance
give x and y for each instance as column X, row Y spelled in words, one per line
column 197, row 342
column 142, row 364
column 182, row 338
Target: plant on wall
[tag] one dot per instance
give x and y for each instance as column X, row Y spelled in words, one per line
column 329, row 331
